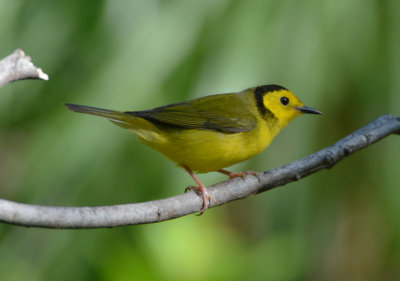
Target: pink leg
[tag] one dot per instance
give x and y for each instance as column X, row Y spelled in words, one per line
column 201, row 188
column 241, row 174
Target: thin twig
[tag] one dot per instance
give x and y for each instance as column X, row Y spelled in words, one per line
column 188, row 203
column 19, row 66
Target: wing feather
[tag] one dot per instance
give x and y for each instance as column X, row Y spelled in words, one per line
column 223, row 113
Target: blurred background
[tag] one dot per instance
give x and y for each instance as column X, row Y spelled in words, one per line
column 340, row 57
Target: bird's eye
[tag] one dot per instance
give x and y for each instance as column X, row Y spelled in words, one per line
column 284, row 100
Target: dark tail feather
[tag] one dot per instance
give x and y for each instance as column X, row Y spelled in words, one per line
column 110, row 114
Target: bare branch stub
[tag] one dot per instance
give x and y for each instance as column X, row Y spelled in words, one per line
column 19, row 66
column 188, row 203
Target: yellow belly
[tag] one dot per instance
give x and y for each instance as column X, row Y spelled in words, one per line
column 204, row 151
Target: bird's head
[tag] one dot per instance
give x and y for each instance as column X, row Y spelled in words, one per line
column 277, row 103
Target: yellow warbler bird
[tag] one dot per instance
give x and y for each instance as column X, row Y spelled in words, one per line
column 213, row 132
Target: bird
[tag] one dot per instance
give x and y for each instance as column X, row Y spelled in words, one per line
column 212, row 132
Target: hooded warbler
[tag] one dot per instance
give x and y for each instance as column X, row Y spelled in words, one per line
column 212, row 132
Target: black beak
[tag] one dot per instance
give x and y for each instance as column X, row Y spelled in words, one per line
column 309, row 110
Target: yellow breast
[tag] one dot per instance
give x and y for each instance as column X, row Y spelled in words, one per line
column 205, row 150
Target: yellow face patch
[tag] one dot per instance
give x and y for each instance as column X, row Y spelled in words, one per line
column 282, row 105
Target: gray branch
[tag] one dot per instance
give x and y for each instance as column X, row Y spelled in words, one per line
column 19, row 66
column 188, row 203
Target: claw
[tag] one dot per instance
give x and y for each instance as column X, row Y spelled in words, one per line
column 200, row 190
column 192, row 188
column 240, row 174
column 204, row 195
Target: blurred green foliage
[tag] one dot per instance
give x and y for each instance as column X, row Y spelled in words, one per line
column 341, row 57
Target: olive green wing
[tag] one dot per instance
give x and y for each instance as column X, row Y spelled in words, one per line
column 223, row 113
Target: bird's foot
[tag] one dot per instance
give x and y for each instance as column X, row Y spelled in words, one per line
column 240, row 174
column 202, row 191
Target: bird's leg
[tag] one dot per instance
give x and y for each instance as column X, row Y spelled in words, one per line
column 200, row 188
column 240, row 174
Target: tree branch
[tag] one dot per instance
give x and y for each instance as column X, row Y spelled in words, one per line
column 18, row 66
column 188, row 203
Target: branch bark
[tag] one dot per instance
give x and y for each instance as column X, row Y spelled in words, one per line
column 188, row 203
column 19, row 66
